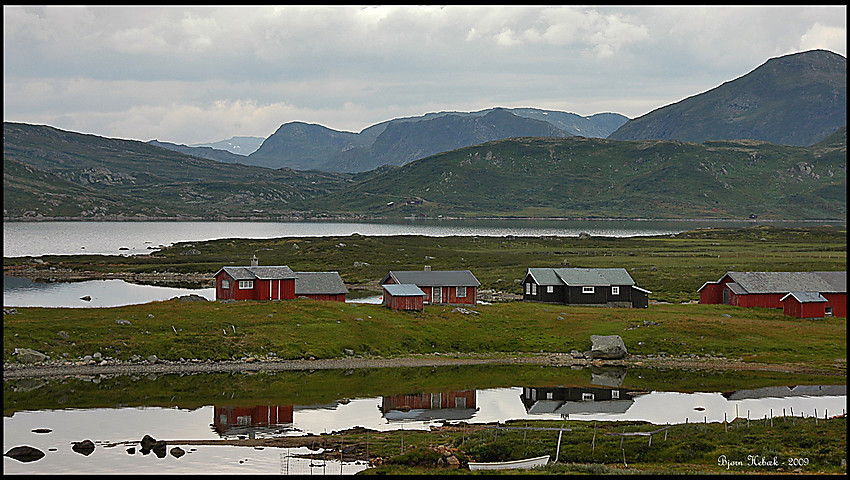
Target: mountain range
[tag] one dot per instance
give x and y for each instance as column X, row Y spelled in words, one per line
column 495, row 162
column 795, row 99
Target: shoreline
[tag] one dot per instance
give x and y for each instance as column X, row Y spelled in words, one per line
column 47, row 370
column 360, row 218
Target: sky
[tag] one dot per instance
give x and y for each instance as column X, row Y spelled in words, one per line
column 190, row 75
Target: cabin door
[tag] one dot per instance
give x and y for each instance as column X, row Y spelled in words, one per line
column 437, row 295
column 725, row 296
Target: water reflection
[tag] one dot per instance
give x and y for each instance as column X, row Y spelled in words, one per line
column 452, row 405
column 194, row 407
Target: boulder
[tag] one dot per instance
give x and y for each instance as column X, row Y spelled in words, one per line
column 24, row 453
column 177, row 452
column 607, row 347
column 86, row 447
column 28, row 355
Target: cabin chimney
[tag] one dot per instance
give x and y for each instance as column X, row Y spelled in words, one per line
column 427, row 268
column 254, row 261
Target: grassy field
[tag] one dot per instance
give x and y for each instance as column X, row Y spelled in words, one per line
column 797, row 445
column 671, row 267
column 305, row 328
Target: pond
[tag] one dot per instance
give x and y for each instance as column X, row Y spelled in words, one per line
column 110, row 410
column 23, row 292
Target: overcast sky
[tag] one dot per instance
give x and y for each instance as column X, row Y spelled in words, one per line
column 201, row 74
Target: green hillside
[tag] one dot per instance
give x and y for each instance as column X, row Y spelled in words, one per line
column 796, row 99
column 576, row 176
column 51, row 172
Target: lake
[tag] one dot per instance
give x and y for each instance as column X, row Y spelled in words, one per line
column 139, row 238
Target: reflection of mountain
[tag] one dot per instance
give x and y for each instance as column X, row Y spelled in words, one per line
column 452, row 405
column 575, row 400
column 797, row 391
column 250, row 421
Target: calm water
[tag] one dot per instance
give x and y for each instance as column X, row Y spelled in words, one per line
column 129, row 238
column 105, row 426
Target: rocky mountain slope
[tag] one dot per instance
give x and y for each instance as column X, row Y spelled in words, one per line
column 796, row 99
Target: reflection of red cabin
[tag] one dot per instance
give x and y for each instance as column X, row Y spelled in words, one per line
column 767, row 289
column 432, row 401
column 440, row 286
column 249, row 420
column 276, row 283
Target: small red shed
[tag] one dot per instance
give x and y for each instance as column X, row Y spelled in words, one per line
column 404, row 296
column 804, row 305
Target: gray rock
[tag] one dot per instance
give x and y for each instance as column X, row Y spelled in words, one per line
column 63, row 335
column 28, row 355
column 86, row 447
column 24, row 453
column 86, row 298
column 177, row 452
column 609, row 347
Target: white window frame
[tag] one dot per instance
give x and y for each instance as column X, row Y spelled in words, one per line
column 615, row 290
column 528, row 288
column 460, row 292
column 534, row 289
column 550, row 289
column 225, row 283
column 615, row 394
column 588, row 290
column 246, row 284
column 587, row 397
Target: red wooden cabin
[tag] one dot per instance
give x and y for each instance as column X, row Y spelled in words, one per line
column 767, row 289
column 453, row 287
column 276, row 283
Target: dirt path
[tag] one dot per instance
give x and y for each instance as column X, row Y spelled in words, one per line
column 13, row 370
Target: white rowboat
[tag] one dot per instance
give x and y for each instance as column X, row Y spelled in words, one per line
column 525, row 463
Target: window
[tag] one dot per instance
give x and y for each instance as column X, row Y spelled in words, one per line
column 587, row 290
column 528, row 289
column 587, row 397
column 460, row 292
column 534, row 289
column 550, row 289
column 225, row 284
column 615, row 290
column 246, row 284
column 615, row 394
column 827, row 311
column 549, row 396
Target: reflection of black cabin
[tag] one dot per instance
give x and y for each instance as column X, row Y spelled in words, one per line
column 577, row 400
column 611, row 287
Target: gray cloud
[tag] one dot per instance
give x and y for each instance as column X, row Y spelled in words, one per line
column 197, row 74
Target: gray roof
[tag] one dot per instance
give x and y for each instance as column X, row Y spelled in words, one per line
column 545, row 276
column 319, row 283
column 784, row 282
column 259, row 273
column 805, row 297
column 435, row 278
column 403, row 290
column 599, row 277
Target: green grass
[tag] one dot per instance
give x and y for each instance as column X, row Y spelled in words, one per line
column 304, row 328
column 586, row 449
